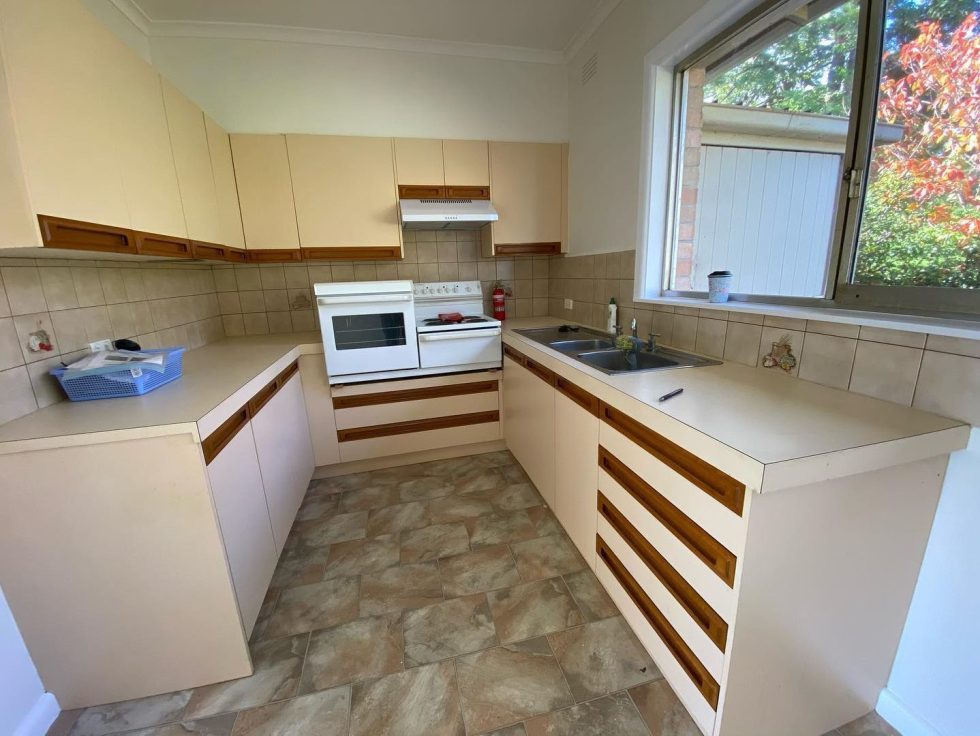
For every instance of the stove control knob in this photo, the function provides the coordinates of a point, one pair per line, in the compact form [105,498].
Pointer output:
[456,289]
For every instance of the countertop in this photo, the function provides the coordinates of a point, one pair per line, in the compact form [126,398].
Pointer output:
[212,374]
[771,420]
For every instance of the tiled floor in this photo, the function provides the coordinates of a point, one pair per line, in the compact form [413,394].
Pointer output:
[438,599]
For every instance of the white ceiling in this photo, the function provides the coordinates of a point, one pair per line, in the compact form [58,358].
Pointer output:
[544,27]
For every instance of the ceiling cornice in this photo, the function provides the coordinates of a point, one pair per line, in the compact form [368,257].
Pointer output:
[353,39]
[596,18]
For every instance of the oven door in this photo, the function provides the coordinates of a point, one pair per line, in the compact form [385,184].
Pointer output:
[368,333]
[459,347]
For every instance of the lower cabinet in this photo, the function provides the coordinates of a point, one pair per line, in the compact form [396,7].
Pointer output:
[282,440]
[243,515]
[529,419]
[319,410]
[576,476]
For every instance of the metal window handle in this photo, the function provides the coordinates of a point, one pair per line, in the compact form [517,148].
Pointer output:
[363,299]
[462,335]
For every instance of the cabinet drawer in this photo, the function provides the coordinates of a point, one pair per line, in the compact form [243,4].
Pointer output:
[483,428]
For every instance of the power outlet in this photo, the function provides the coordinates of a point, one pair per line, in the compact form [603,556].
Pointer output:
[569,304]
[100,346]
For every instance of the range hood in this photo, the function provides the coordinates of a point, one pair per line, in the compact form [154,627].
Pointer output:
[446,214]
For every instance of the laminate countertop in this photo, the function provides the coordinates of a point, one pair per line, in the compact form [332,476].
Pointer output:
[771,428]
[213,376]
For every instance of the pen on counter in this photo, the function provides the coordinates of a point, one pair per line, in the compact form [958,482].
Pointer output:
[671,395]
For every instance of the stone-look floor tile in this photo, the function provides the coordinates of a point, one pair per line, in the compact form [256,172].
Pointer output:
[314,606]
[601,658]
[367,647]
[592,598]
[320,714]
[514,473]
[336,528]
[398,474]
[663,713]
[300,565]
[870,725]
[614,714]
[214,726]
[516,496]
[545,523]
[477,572]
[341,483]
[546,557]
[362,556]
[500,528]
[420,489]
[478,478]
[369,497]
[448,467]
[496,459]
[278,665]
[433,542]
[265,613]
[401,588]
[422,701]
[458,508]
[516,730]
[131,714]
[533,609]
[315,507]
[398,518]
[506,684]
[448,629]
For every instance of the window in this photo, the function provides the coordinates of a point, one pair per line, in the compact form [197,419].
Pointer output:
[813,187]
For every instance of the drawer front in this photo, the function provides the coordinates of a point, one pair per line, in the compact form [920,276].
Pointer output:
[720,523]
[693,684]
[404,411]
[417,441]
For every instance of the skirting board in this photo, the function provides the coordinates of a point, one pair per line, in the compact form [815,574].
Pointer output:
[900,718]
[411,458]
[40,717]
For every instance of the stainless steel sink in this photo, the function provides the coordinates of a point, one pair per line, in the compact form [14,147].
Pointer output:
[616,361]
[580,346]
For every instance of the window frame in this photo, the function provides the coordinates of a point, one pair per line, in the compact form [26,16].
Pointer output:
[839,289]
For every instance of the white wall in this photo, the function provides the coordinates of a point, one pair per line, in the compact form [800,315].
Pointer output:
[932,689]
[24,706]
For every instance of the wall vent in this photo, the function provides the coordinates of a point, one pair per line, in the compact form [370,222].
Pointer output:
[589,68]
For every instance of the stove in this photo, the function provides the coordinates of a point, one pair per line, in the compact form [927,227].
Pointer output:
[454,334]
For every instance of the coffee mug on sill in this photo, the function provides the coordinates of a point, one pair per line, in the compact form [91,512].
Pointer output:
[719,282]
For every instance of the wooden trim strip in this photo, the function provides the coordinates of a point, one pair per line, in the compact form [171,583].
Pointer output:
[148,244]
[515,355]
[262,396]
[274,255]
[57,232]
[416,425]
[288,372]
[698,673]
[462,191]
[208,251]
[577,394]
[526,249]
[703,614]
[421,191]
[352,253]
[219,438]
[545,374]
[235,255]
[729,492]
[708,549]
[414,394]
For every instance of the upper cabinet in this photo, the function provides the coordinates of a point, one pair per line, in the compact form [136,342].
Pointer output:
[346,195]
[419,161]
[226,190]
[466,163]
[527,184]
[435,168]
[265,192]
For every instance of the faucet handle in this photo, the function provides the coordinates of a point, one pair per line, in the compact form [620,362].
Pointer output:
[652,342]
[633,324]
[618,329]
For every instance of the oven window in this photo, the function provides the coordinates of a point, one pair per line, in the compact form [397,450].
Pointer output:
[359,331]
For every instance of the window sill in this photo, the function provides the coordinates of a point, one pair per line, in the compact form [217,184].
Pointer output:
[946,327]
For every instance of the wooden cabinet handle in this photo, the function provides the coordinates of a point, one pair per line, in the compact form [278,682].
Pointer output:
[514,355]
[545,374]
[215,442]
[577,394]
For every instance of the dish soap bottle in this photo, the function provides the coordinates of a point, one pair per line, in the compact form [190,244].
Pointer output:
[611,318]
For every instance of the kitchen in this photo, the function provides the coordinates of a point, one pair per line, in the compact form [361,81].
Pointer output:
[411,472]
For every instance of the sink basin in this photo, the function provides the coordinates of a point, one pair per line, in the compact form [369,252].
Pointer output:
[580,346]
[616,361]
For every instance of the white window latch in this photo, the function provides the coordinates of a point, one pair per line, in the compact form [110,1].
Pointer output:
[855,181]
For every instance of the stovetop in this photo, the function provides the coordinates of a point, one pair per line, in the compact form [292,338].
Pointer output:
[448,297]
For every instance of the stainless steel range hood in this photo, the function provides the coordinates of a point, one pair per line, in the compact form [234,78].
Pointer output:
[446,214]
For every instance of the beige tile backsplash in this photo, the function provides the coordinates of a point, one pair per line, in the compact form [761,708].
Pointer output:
[934,373]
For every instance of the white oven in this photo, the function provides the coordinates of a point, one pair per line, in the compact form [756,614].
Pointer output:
[367,327]
[476,348]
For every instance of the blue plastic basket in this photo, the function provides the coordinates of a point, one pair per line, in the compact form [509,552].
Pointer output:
[121,383]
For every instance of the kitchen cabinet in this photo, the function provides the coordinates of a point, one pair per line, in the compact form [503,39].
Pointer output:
[466,163]
[192,157]
[576,475]
[461,166]
[419,161]
[243,516]
[529,419]
[282,441]
[226,189]
[265,192]
[346,195]
[526,182]
[319,410]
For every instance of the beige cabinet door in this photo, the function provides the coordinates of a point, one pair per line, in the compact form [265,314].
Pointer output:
[576,473]
[466,163]
[526,180]
[345,190]
[529,426]
[59,62]
[265,191]
[193,159]
[419,161]
[226,190]
[319,410]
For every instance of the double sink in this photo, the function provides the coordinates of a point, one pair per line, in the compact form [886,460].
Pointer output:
[597,350]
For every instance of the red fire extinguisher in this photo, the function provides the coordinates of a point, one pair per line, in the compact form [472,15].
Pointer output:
[498,303]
